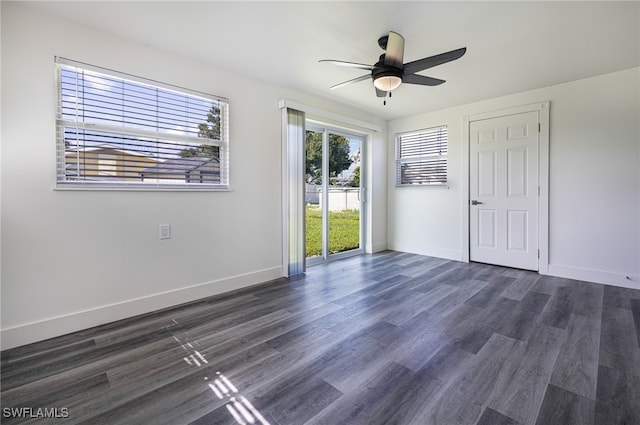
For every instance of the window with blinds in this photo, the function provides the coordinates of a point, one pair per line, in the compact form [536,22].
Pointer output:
[120,131]
[421,157]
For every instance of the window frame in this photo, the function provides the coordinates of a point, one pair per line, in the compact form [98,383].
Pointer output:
[161,138]
[431,137]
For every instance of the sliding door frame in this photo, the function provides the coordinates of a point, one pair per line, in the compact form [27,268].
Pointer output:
[326,130]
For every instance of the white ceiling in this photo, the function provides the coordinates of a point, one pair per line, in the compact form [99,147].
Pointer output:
[511,46]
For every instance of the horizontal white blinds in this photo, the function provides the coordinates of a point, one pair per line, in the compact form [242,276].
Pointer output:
[421,157]
[130,132]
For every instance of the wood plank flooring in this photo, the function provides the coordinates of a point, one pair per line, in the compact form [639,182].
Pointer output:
[390,338]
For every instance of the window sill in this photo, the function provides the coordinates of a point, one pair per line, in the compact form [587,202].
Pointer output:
[113,188]
[440,185]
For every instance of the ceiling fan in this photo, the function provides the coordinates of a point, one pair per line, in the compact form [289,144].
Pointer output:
[389,72]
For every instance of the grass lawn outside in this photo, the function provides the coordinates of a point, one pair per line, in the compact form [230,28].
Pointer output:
[344,230]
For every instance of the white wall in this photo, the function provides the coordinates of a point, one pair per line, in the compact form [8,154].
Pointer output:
[594,189]
[75,259]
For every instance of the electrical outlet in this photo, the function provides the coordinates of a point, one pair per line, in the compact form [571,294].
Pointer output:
[165,231]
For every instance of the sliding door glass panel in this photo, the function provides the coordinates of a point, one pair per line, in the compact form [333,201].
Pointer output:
[343,190]
[333,204]
[313,194]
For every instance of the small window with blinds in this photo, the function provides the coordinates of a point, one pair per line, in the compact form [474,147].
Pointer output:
[120,131]
[421,157]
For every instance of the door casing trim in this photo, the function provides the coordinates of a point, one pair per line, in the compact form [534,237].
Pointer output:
[543,177]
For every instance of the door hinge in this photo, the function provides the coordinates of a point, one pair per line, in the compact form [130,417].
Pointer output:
[538,127]
[538,190]
[538,253]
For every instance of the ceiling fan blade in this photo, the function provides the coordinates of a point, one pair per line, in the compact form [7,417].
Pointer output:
[394,54]
[355,80]
[422,80]
[380,93]
[349,64]
[431,61]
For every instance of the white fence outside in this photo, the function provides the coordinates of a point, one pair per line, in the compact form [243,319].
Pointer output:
[340,198]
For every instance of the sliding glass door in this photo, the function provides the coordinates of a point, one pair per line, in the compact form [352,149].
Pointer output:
[333,195]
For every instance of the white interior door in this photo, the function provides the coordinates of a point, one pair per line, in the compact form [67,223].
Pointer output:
[503,190]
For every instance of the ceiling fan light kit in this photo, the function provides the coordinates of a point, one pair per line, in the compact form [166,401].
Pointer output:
[387,83]
[390,71]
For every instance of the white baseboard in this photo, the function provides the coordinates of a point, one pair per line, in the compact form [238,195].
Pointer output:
[595,276]
[61,325]
[432,252]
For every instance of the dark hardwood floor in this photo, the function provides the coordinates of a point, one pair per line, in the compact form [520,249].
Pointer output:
[390,338]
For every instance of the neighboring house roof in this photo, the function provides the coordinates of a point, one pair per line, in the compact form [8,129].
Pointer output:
[149,155]
[179,165]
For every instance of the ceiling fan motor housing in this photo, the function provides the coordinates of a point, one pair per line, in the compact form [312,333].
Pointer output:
[382,42]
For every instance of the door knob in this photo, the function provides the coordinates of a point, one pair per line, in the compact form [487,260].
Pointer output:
[474,202]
